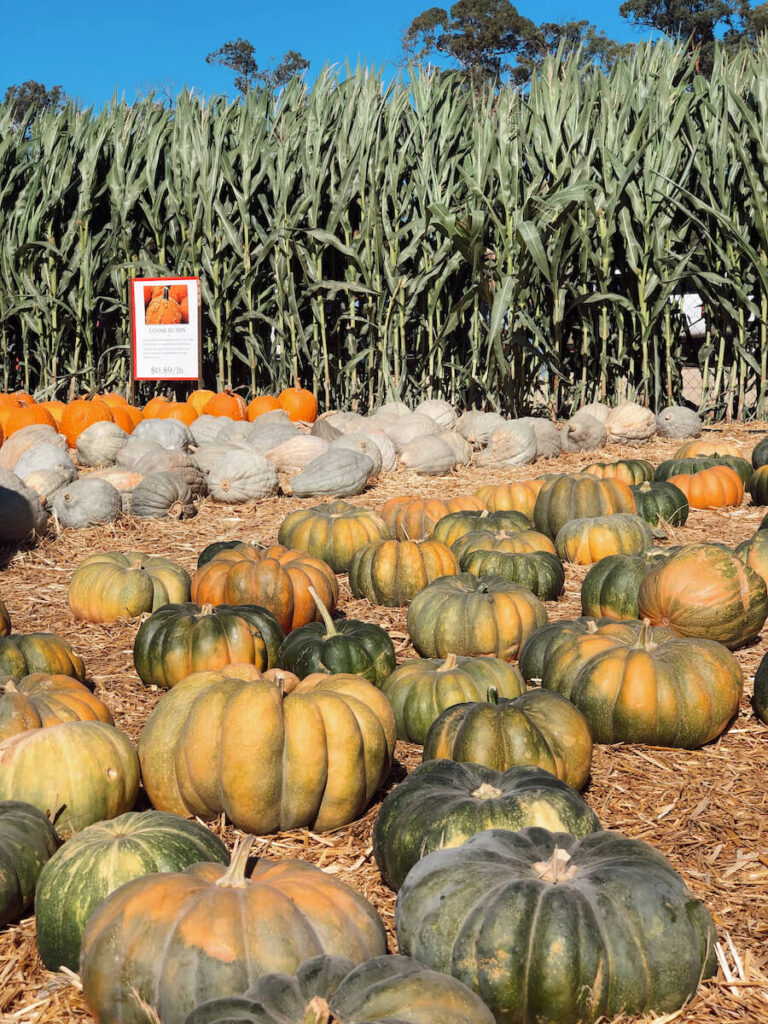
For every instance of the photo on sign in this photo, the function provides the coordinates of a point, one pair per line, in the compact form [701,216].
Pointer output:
[166,328]
[166,304]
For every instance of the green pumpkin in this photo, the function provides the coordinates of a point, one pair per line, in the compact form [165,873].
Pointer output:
[758,486]
[111,585]
[419,690]
[340,645]
[754,553]
[332,532]
[96,861]
[540,571]
[661,502]
[387,990]
[27,841]
[535,649]
[586,541]
[211,550]
[760,453]
[553,928]
[23,654]
[457,524]
[180,639]
[610,587]
[760,696]
[578,496]
[508,541]
[442,803]
[631,471]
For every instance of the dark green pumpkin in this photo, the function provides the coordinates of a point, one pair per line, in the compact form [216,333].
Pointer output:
[96,861]
[387,990]
[420,689]
[754,553]
[457,524]
[213,549]
[660,501]
[578,496]
[442,803]
[540,571]
[537,646]
[760,697]
[179,639]
[27,841]
[552,928]
[631,471]
[760,453]
[610,587]
[694,464]
[23,654]
[758,486]
[332,532]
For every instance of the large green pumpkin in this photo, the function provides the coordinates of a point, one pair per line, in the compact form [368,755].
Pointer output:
[661,502]
[23,654]
[566,497]
[457,524]
[101,858]
[547,927]
[541,572]
[760,453]
[538,644]
[332,532]
[442,803]
[695,464]
[586,541]
[27,840]
[610,587]
[113,585]
[393,572]
[760,696]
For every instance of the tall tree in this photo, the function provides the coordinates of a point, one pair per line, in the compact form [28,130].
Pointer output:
[33,95]
[238,56]
[701,21]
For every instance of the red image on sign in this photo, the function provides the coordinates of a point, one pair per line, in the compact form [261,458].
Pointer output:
[167,304]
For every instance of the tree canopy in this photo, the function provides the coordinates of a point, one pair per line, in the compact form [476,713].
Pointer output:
[33,95]
[238,56]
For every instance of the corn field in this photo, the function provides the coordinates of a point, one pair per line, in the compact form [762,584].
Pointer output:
[520,250]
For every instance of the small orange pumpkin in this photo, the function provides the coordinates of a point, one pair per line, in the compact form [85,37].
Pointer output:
[718,487]
[261,404]
[154,406]
[227,403]
[519,496]
[300,404]
[126,416]
[182,411]
[26,416]
[199,398]
[81,413]
[55,408]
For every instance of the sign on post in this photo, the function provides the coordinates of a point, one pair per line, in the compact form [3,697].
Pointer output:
[165,329]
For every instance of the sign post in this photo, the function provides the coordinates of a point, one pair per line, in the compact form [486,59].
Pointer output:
[166,329]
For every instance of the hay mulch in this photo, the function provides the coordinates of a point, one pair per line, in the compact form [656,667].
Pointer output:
[705,810]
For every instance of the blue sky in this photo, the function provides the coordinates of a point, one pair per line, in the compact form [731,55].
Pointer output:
[93,49]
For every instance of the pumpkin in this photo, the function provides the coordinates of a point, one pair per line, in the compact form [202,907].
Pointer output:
[718,487]
[211,930]
[87,502]
[179,639]
[387,990]
[610,587]
[55,408]
[170,434]
[676,467]
[754,553]
[441,804]
[162,309]
[182,411]
[81,772]
[468,615]
[629,423]
[340,472]
[393,572]
[586,541]
[410,518]
[513,443]
[261,404]
[760,696]
[563,498]
[82,413]
[692,449]
[758,486]
[660,502]
[760,453]
[344,645]
[242,476]
[40,700]
[276,577]
[509,541]
[549,927]
[5,620]
[631,471]
[27,841]
[637,684]
[442,412]
[178,463]
[678,421]
[226,403]
[430,456]
[162,494]
[101,858]
[270,756]
[408,428]
[477,426]
[214,548]
[98,445]
[457,524]
[111,585]
[420,689]
[517,496]
[541,572]
[332,532]
[538,645]
[22,515]
[300,404]
[295,454]
[582,433]
[26,416]
[25,653]
[705,590]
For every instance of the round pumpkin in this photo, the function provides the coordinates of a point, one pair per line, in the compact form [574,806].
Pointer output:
[23,654]
[760,696]
[760,453]
[516,496]
[299,403]
[537,646]
[692,449]
[25,416]
[184,937]
[101,858]
[610,587]
[276,577]
[82,413]
[457,524]
[441,804]
[631,471]
[537,728]
[586,541]
[412,518]
[677,467]
[420,689]
[660,502]
[758,486]
[260,405]
[563,498]
[548,927]
[179,639]
[718,487]
[41,700]
[27,840]
[80,772]
[111,585]
[637,684]
[705,590]
[270,756]
[199,398]
[5,620]
[468,615]
[332,532]
[541,572]
[754,553]
[510,541]
[393,572]
[226,403]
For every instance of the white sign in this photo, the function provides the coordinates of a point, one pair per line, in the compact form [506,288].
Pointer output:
[166,328]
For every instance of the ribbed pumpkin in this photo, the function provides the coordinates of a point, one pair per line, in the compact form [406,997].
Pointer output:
[705,590]
[695,464]
[332,532]
[276,577]
[24,653]
[537,647]
[537,728]
[457,524]
[552,928]
[420,689]
[27,840]
[226,403]
[441,804]
[25,416]
[540,571]
[41,700]
[182,411]
[100,859]
[718,487]
[113,585]
[126,416]
[760,696]
[269,759]
[199,398]
[631,471]
[513,542]
[412,518]
[82,413]
[610,587]
[517,496]
[563,498]
[661,502]
[179,639]
[188,936]
[637,684]
[586,541]
[468,615]
[85,771]
[393,572]
[691,449]
[758,486]
[299,403]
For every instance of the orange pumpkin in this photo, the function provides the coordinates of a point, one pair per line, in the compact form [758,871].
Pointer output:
[411,518]
[511,497]
[199,398]
[718,487]
[112,398]
[7,404]
[154,406]
[23,398]
[177,292]
[26,416]
[227,403]
[692,449]
[162,309]
[80,414]
[182,411]
[40,700]
[300,404]
[126,416]
[55,408]
[261,404]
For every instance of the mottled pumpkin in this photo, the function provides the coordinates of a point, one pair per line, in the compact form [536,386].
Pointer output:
[5,620]
[677,467]
[393,572]
[553,928]
[185,937]
[660,502]
[610,587]
[332,532]
[516,496]
[718,487]
[270,756]
[457,524]
[27,840]
[411,518]
[276,577]
[541,572]
[537,646]
[509,541]
[23,654]
[41,700]
[586,541]
[563,498]
[441,804]
[631,471]
[754,553]
[691,449]
[705,590]
[112,585]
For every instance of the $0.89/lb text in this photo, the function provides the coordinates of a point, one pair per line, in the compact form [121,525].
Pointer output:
[169,370]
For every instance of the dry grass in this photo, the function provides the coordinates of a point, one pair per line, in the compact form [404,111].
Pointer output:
[706,810]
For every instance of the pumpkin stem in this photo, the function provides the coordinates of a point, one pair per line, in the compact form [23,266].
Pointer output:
[317,1012]
[485,791]
[557,869]
[10,686]
[325,615]
[206,609]
[449,664]
[492,696]
[234,876]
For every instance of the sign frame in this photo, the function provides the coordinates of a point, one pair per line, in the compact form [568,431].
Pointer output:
[136,323]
